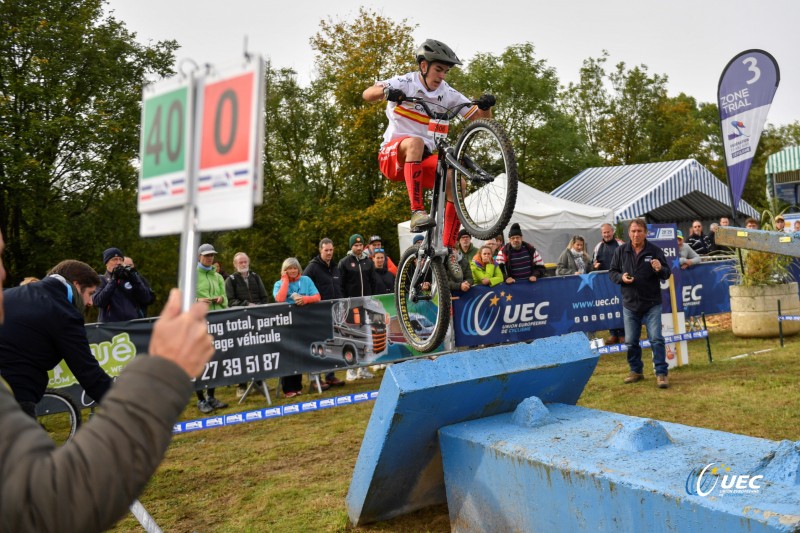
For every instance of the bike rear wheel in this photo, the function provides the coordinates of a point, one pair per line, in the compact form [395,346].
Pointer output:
[59,416]
[488,194]
[423,310]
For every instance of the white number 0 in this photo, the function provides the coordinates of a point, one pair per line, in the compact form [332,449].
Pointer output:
[752,68]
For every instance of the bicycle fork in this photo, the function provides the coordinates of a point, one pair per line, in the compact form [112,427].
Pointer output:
[423,266]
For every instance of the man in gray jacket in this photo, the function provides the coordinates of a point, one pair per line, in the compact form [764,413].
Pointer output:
[44,488]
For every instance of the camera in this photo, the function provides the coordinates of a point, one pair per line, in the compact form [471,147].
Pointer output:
[123,272]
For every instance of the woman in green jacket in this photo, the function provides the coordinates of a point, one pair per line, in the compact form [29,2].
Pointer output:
[484,269]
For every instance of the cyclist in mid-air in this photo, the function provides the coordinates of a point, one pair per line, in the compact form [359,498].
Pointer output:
[406,153]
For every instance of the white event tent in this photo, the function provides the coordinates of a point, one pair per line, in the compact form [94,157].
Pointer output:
[547,222]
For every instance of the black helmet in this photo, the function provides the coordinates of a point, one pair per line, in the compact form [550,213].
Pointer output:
[433,50]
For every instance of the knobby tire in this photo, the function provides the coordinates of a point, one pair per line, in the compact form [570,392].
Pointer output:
[484,209]
[436,310]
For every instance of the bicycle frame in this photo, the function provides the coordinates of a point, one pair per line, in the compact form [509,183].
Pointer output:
[432,245]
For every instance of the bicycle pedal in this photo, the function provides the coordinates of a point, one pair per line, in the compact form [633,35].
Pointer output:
[420,228]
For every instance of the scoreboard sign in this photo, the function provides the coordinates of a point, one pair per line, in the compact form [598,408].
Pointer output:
[205,133]
[166,123]
[230,131]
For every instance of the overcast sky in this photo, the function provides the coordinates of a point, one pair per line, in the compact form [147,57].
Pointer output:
[690,41]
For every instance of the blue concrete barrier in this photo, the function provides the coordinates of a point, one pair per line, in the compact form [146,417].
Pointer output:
[566,468]
[399,467]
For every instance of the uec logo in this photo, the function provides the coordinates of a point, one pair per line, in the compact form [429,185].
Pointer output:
[701,482]
[481,315]
[479,318]
[525,312]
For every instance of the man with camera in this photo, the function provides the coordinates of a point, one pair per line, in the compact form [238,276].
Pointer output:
[123,292]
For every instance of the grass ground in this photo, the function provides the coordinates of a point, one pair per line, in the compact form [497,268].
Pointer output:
[292,473]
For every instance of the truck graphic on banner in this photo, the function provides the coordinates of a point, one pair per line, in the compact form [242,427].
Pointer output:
[359,332]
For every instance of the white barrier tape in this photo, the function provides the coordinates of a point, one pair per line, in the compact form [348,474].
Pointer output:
[671,339]
[271,412]
[788,317]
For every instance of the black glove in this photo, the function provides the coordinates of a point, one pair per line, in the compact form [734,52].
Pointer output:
[117,273]
[486,101]
[393,95]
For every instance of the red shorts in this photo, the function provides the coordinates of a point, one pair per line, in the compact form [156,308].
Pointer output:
[391,168]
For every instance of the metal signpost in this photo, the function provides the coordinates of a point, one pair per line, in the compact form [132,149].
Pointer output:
[201,168]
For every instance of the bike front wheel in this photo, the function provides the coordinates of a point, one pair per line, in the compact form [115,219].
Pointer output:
[485,196]
[423,307]
[59,416]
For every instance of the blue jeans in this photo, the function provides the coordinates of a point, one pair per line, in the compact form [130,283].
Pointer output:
[633,331]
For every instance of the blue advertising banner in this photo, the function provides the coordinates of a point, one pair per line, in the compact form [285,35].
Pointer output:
[560,305]
[525,311]
[665,236]
[745,92]
[705,288]
[587,302]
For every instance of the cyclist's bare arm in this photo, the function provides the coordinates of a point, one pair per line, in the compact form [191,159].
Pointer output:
[373,93]
[480,113]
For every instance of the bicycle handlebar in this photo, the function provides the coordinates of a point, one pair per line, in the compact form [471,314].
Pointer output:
[446,115]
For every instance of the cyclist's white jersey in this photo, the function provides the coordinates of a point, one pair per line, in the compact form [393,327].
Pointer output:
[409,119]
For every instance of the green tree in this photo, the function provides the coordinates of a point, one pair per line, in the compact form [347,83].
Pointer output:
[681,129]
[627,116]
[547,142]
[631,114]
[351,55]
[70,91]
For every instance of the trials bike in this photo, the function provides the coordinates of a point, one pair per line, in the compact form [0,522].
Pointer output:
[482,169]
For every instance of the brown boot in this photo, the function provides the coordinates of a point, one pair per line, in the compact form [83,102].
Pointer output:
[633,377]
[663,381]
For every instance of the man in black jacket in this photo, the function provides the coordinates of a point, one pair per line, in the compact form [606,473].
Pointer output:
[358,279]
[699,241]
[639,267]
[358,271]
[328,279]
[43,325]
[123,293]
[601,260]
[385,278]
[244,287]
[325,273]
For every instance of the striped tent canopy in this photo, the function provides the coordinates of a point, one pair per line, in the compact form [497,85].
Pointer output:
[787,160]
[671,191]
[783,175]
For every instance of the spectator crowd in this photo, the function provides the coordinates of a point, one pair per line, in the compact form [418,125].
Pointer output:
[121,293]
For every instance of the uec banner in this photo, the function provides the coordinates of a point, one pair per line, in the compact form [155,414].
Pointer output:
[587,302]
[705,288]
[524,311]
